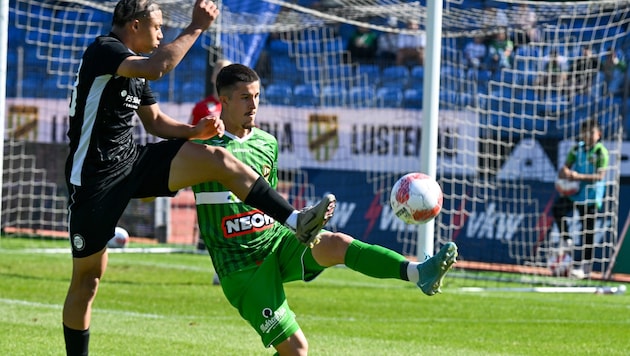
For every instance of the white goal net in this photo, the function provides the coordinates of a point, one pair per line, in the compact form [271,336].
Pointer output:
[351,123]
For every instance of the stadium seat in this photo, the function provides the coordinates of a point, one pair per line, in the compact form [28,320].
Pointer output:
[361,97]
[448,98]
[416,78]
[305,95]
[333,95]
[394,76]
[527,51]
[412,98]
[278,94]
[371,72]
[389,97]
[283,68]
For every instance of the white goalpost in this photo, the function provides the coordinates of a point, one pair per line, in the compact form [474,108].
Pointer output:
[4,29]
[492,132]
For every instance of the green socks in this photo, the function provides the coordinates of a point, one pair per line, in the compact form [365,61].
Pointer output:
[376,261]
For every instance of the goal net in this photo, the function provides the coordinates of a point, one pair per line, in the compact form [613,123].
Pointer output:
[351,123]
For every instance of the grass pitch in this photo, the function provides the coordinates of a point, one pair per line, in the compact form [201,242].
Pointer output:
[165,304]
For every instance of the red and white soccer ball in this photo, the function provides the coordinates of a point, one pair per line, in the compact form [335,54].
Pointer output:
[416,198]
[120,238]
[567,187]
[560,264]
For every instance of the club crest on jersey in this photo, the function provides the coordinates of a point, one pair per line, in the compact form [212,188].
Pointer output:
[245,223]
[78,242]
[323,136]
[266,172]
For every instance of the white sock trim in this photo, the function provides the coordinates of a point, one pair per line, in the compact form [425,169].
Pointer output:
[291,222]
[412,272]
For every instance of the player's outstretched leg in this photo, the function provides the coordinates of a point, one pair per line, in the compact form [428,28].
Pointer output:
[432,271]
[312,219]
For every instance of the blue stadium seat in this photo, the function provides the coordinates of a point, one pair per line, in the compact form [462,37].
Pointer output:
[527,51]
[412,98]
[283,68]
[371,71]
[334,95]
[389,97]
[416,78]
[305,95]
[394,76]
[279,94]
[361,97]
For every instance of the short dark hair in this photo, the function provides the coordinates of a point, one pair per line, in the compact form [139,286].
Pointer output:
[589,124]
[233,74]
[128,10]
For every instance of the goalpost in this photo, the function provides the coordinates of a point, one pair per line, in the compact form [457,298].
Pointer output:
[354,127]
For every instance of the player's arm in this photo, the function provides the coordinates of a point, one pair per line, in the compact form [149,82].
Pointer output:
[166,57]
[601,166]
[159,124]
[566,172]
[587,177]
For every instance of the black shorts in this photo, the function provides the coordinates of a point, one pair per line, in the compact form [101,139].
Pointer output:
[94,210]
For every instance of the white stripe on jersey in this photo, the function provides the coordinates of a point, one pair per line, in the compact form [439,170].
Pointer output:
[209,198]
[89,118]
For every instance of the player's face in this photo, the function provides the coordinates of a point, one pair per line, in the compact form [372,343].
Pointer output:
[239,110]
[591,136]
[149,32]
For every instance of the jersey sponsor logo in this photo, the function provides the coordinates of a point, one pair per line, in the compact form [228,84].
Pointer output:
[273,319]
[246,223]
[130,101]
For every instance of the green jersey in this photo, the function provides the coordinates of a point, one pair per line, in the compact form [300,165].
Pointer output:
[238,236]
[589,161]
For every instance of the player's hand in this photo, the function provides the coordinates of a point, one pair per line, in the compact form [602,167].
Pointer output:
[204,14]
[565,173]
[209,126]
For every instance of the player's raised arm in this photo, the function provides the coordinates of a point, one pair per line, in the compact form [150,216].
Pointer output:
[165,57]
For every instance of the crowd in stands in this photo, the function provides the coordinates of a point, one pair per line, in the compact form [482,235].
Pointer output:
[511,48]
[505,45]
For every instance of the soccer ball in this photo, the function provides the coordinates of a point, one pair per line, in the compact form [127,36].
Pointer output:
[560,264]
[120,239]
[567,187]
[416,198]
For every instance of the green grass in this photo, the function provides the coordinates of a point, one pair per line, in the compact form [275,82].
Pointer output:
[165,304]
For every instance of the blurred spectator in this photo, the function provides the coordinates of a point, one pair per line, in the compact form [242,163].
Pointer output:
[500,51]
[410,50]
[475,53]
[583,70]
[387,44]
[363,44]
[493,18]
[553,75]
[614,68]
[524,22]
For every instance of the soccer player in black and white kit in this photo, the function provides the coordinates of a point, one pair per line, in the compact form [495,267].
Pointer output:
[105,168]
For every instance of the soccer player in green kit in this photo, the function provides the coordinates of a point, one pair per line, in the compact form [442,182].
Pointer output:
[253,255]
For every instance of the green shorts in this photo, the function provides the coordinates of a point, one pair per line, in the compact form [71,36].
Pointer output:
[258,292]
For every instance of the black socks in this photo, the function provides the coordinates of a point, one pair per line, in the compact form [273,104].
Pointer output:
[77,341]
[263,197]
